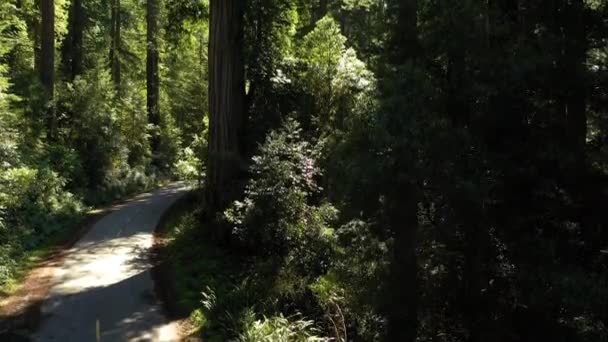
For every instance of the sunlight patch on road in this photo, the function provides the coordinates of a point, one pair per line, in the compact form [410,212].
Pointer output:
[104,263]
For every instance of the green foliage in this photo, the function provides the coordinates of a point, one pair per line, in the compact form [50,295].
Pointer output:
[227,294]
[89,118]
[99,153]
[189,166]
[170,144]
[279,329]
[276,216]
[186,79]
[131,126]
[94,128]
[333,76]
[482,124]
[213,284]
[33,207]
[351,291]
[323,46]
[12,31]
[270,29]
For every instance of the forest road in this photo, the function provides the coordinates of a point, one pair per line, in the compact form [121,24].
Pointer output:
[103,289]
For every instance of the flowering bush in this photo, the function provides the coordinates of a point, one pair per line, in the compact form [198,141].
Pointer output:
[276,216]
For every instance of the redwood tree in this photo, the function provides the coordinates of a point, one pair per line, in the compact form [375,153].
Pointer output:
[73,43]
[47,60]
[226,98]
[115,42]
[402,191]
[152,77]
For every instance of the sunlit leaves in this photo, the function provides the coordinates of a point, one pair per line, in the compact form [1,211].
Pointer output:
[334,75]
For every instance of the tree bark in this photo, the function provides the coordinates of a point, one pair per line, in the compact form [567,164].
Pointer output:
[47,62]
[34,24]
[74,40]
[226,100]
[403,278]
[153,79]
[575,53]
[576,45]
[403,195]
[403,43]
[115,44]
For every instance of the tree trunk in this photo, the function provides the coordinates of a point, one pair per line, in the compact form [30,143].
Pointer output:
[403,279]
[469,213]
[115,44]
[47,62]
[574,58]
[403,195]
[152,79]
[226,100]
[34,24]
[575,53]
[403,44]
[76,27]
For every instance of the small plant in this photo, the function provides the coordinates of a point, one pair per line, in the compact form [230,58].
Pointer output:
[279,329]
[190,167]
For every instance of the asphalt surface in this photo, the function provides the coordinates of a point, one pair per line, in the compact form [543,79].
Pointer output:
[103,289]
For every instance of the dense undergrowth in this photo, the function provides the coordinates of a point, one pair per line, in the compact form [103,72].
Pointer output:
[34,208]
[288,273]
[228,295]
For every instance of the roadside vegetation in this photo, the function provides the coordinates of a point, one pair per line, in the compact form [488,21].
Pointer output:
[365,170]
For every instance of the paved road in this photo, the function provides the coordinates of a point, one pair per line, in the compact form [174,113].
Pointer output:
[105,281]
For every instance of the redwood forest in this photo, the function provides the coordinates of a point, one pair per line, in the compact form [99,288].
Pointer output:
[304,170]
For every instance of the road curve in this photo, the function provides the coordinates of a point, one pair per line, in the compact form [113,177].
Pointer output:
[103,289]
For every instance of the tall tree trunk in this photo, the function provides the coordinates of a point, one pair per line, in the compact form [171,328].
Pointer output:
[152,79]
[226,99]
[469,212]
[575,100]
[575,53]
[403,195]
[34,24]
[403,44]
[402,210]
[115,44]
[76,27]
[47,62]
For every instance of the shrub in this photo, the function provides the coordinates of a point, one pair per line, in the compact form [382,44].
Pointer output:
[279,329]
[280,222]
[87,120]
[350,291]
[275,216]
[33,206]
[189,167]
